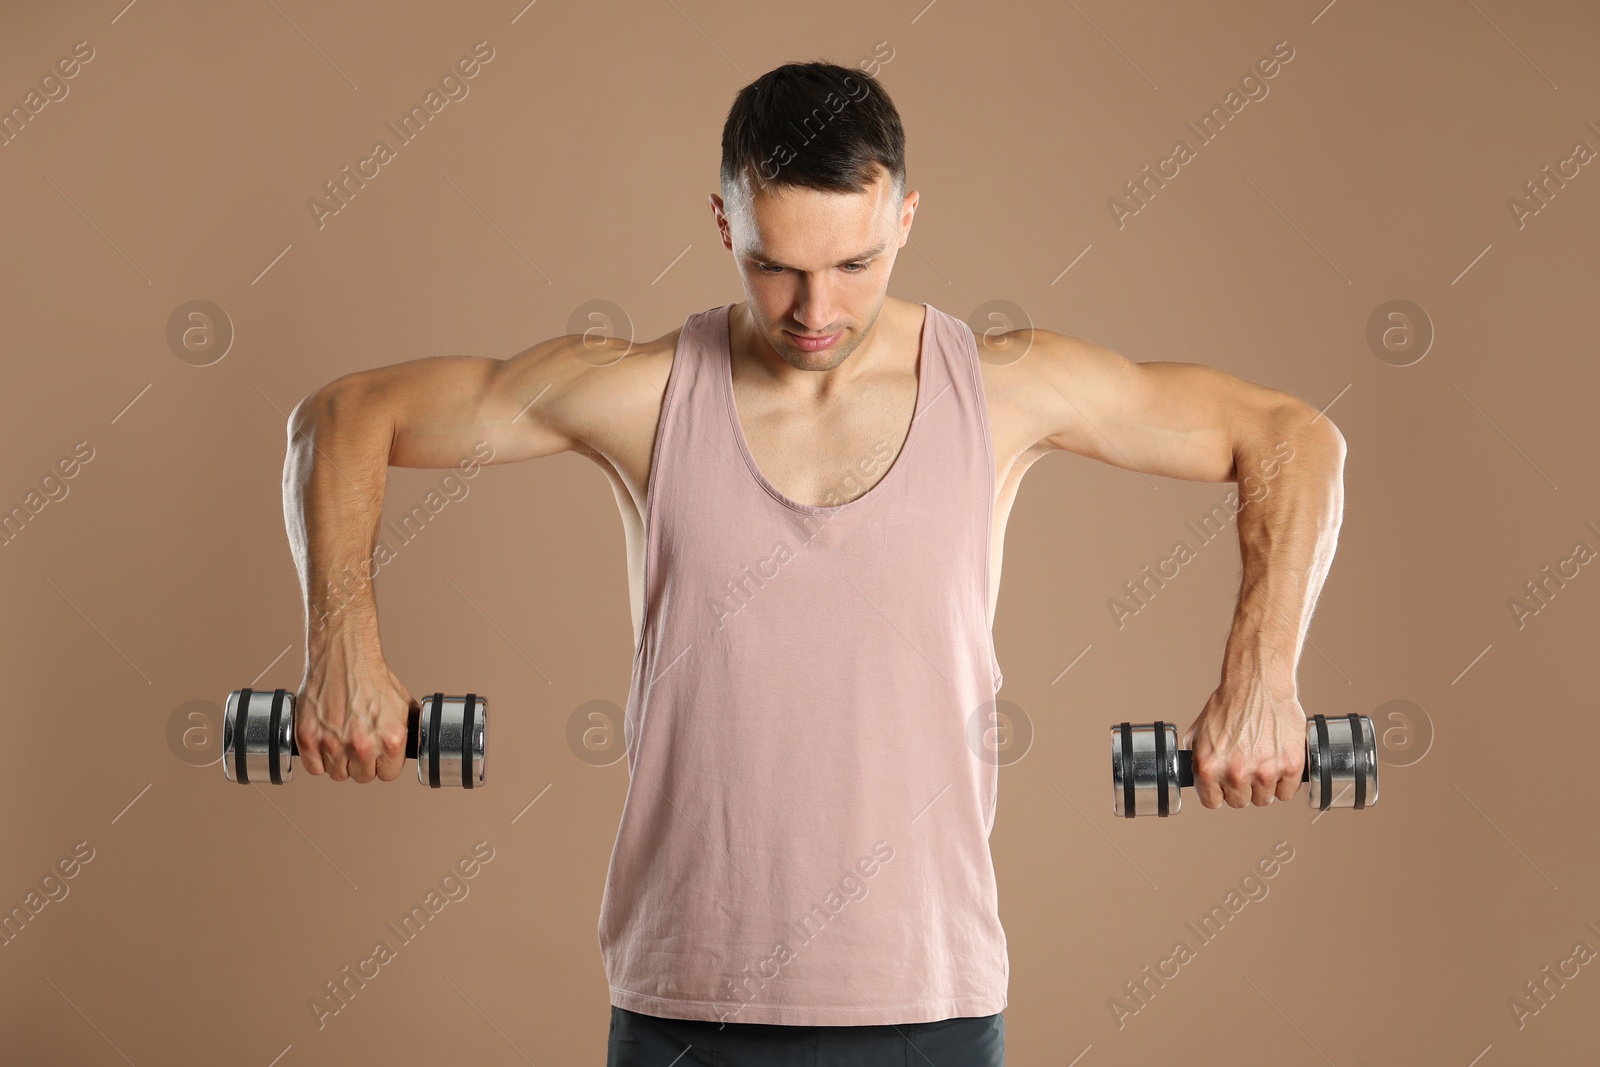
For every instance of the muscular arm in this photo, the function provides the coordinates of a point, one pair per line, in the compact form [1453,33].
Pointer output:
[435,412]
[1251,735]
[1190,421]
[440,411]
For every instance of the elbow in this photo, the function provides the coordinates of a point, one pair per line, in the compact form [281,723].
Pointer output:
[316,405]
[1285,429]
[305,413]
[1300,419]
[1324,443]
[344,414]
[1330,433]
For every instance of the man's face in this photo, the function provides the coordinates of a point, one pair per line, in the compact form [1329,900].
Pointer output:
[814,263]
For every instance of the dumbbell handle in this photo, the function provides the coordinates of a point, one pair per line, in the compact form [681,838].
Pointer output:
[413,717]
[1186,768]
[413,720]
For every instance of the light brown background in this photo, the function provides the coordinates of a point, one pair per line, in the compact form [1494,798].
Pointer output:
[1379,167]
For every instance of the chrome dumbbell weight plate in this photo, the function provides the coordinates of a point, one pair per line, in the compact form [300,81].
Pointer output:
[1341,762]
[452,738]
[1144,769]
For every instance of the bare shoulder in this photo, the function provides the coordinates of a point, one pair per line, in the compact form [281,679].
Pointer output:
[1028,375]
[603,392]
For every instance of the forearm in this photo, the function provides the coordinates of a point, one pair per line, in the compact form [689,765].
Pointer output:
[1288,530]
[334,474]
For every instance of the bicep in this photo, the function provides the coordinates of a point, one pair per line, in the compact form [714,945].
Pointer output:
[1178,420]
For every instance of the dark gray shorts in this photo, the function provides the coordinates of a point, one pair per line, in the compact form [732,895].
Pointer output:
[650,1041]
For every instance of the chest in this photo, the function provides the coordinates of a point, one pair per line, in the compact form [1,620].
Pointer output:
[842,449]
[827,454]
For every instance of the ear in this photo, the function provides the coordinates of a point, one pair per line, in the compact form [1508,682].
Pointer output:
[720,213]
[908,210]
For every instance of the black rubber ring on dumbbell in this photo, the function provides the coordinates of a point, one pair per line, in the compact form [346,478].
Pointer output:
[1324,763]
[1358,750]
[274,771]
[1127,770]
[239,773]
[466,742]
[1161,768]
[434,717]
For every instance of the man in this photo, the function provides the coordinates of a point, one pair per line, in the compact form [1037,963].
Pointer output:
[814,484]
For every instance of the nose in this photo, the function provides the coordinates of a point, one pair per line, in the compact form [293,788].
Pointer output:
[815,310]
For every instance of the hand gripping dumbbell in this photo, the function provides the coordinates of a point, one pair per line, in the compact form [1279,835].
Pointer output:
[1148,767]
[446,737]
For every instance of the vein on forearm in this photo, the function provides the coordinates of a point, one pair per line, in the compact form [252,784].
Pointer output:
[1287,535]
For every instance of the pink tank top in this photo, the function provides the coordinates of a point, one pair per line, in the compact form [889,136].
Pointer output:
[805,838]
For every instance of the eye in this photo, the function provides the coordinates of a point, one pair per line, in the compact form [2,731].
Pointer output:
[767,268]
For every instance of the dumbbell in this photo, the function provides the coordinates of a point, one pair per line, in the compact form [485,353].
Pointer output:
[446,736]
[1148,768]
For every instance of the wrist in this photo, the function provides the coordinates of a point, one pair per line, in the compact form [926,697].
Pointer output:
[341,627]
[1260,659]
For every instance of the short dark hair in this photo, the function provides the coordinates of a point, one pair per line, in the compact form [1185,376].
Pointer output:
[814,125]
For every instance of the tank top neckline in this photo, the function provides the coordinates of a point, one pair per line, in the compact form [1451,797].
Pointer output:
[726,374]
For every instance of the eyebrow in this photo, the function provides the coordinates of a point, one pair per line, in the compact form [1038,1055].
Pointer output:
[868,254]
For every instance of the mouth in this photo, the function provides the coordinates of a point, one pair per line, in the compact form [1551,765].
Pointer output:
[814,343]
